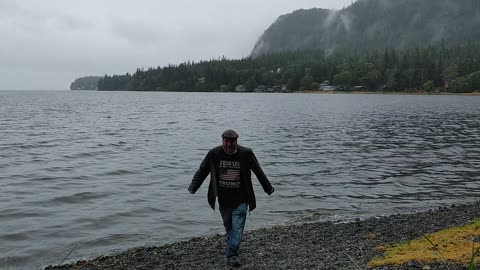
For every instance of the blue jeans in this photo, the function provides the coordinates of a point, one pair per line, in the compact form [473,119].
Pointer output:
[234,222]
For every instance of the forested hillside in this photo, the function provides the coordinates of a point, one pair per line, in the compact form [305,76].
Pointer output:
[374,24]
[393,45]
[431,68]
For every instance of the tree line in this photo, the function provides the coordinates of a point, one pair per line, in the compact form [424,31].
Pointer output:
[435,68]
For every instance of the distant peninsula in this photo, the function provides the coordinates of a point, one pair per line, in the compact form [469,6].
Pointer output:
[85,83]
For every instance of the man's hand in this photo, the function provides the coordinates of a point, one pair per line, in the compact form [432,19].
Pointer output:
[271,191]
[191,191]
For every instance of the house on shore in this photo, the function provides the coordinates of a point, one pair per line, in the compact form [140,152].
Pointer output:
[240,88]
[326,86]
[260,88]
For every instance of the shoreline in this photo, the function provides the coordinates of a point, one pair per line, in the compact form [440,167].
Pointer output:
[391,93]
[317,245]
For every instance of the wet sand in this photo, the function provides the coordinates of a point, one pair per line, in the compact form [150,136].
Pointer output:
[322,245]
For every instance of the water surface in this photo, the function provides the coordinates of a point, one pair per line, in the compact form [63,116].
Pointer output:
[106,171]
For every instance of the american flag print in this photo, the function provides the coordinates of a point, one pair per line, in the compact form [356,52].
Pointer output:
[229,174]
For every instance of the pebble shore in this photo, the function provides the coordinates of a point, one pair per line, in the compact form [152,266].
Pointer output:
[322,245]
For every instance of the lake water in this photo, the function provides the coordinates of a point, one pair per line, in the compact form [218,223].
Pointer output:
[106,171]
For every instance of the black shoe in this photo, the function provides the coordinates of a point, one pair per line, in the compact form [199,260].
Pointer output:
[234,261]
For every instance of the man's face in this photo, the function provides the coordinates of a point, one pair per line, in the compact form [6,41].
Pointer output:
[229,145]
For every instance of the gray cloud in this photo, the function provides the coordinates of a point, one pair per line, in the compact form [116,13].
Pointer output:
[47,44]
[137,32]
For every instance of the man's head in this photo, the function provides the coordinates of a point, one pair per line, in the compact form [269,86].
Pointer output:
[229,141]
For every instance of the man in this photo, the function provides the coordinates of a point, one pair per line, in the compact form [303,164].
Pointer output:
[230,166]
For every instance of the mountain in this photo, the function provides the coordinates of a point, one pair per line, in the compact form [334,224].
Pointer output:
[374,24]
[85,83]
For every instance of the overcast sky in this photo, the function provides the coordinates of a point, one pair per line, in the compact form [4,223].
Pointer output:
[47,44]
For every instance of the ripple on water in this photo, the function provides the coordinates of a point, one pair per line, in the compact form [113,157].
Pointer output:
[119,172]
[81,197]
[17,213]
[111,164]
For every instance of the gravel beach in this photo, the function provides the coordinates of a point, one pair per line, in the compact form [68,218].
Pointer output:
[322,245]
